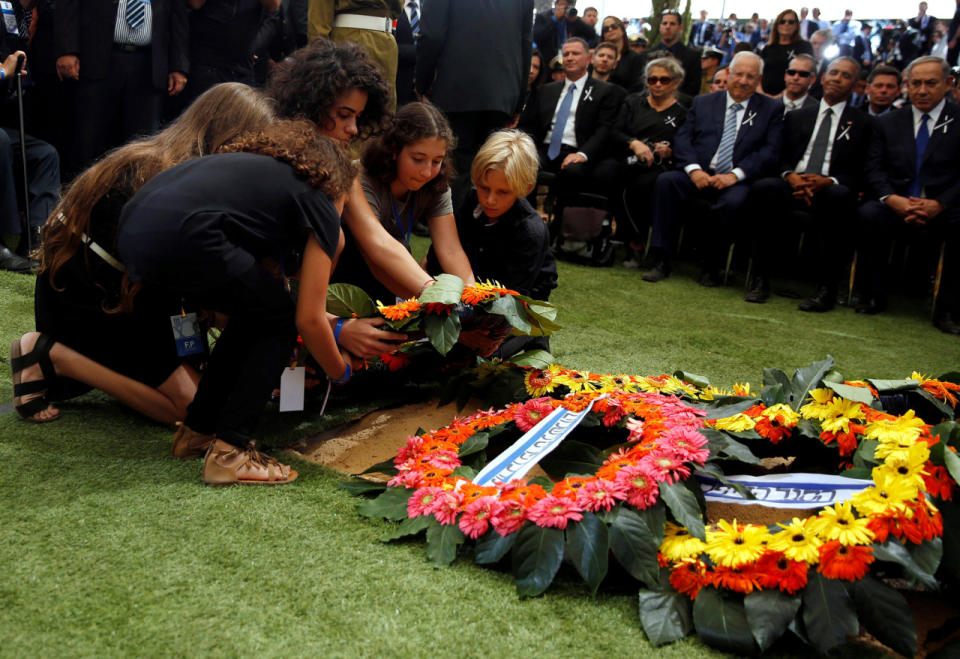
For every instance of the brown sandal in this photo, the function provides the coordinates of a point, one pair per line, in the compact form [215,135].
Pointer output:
[226,464]
[189,444]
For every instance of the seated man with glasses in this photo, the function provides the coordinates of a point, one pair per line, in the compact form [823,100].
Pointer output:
[800,76]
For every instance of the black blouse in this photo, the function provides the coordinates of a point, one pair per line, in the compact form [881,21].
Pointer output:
[638,121]
[776,58]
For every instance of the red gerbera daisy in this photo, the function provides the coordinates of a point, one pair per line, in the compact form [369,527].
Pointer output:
[839,561]
[774,570]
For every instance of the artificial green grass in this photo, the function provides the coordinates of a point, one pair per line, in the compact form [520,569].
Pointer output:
[112,548]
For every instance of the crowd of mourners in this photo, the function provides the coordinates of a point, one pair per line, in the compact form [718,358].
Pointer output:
[228,159]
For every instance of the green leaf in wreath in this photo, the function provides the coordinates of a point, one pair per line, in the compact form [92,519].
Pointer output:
[533,358]
[856,394]
[941,406]
[773,394]
[863,456]
[739,451]
[392,504]
[386,467]
[537,555]
[474,444]
[696,380]
[512,309]
[808,428]
[492,547]
[721,621]
[805,379]
[949,432]
[886,614]
[572,457]
[588,544]
[635,541]
[828,613]
[443,330]
[345,300]
[408,527]
[465,471]
[684,507]
[360,486]
[665,615]
[727,406]
[543,309]
[950,510]
[769,613]
[447,290]
[893,551]
[888,386]
[541,320]
[442,542]
[952,463]
[928,555]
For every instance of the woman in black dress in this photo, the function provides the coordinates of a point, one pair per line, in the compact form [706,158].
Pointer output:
[87,339]
[784,44]
[630,65]
[221,232]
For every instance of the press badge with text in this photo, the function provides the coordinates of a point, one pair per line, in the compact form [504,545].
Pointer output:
[186,335]
[9,18]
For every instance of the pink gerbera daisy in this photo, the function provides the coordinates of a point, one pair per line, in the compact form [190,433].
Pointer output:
[443,460]
[687,444]
[446,507]
[508,517]
[476,516]
[666,466]
[531,413]
[600,494]
[642,485]
[408,478]
[410,451]
[554,512]
[423,501]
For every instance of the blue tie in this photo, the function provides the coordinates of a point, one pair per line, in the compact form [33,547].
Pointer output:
[556,137]
[414,20]
[135,14]
[923,137]
[725,152]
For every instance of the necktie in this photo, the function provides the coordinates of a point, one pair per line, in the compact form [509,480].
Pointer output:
[414,20]
[556,137]
[819,151]
[923,137]
[725,152]
[135,14]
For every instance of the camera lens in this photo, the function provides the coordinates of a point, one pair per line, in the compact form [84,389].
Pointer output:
[571,11]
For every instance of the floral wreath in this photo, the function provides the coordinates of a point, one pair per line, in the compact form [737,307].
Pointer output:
[739,586]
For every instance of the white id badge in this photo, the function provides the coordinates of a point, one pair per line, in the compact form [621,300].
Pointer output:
[9,18]
[292,387]
[186,334]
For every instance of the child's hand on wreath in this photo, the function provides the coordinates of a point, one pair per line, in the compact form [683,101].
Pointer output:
[363,338]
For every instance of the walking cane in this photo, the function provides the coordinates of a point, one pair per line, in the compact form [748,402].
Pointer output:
[23,159]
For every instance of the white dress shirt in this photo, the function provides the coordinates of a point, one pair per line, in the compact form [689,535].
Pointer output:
[569,130]
[789,106]
[406,8]
[124,34]
[837,110]
[740,174]
[932,122]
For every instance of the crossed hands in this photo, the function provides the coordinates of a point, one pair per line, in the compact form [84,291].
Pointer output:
[806,185]
[718,181]
[914,210]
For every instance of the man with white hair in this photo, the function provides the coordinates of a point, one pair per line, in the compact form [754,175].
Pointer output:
[729,139]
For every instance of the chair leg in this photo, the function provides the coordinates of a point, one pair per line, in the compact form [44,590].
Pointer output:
[646,247]
[852,279]
[749,271]
[938,280]
[726,271]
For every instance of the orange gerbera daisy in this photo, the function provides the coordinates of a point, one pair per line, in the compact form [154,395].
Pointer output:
[938,389]
[395,361]
[471,492]
[400,310]
[839,561]
[438,308]
[774,570]
[476,295]
[569,487]
[741,579]
[689,576]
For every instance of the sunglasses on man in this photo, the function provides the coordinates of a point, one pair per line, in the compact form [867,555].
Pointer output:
[802,74]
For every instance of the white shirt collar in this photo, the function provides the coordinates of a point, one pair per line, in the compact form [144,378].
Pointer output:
[797,104]
[837,108]
[578,83]
[730,102]
[934,113]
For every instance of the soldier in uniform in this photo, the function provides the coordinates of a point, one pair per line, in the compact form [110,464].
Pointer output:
[366,22]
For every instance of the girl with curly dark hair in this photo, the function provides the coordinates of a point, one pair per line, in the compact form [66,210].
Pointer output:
[405,181]
[218,231]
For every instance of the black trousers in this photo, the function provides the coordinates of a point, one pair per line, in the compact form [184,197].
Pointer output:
[248,358]
[472,130]
[112,111]
[43,180]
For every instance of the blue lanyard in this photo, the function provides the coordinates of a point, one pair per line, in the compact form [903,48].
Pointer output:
[396,216]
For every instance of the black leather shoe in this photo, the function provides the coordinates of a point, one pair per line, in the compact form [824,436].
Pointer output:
[13,263]
[708,279]
[35,238]
[659,272]
[948,325]
[871,306]
[822,301]
[759,291]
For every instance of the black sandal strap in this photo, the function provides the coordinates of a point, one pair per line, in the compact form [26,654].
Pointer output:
[27,388]
[31,407]
[39,355]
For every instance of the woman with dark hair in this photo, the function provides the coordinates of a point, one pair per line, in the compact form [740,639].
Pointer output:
[405,181]
[221,232]
[538,75]
[88,335]
[630,64]
[785,43]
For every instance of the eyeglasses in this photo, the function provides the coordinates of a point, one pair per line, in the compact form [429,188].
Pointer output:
[788,21]
[611,26]
[663,80]
[802,74]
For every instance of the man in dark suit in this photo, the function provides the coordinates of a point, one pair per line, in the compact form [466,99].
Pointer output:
[728,140]
[862,49]
[924,24]
[821,171]
[473,61]
[570,120]
[883,88]
[701,34]
[671,29]
[126,56]
[552,28]
[800,75]
[912,172]
[407,50]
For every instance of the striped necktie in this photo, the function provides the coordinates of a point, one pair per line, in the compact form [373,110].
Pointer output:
[725,152]
[414,20]
[135,14]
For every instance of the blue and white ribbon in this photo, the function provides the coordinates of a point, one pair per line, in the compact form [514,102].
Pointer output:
[796,491]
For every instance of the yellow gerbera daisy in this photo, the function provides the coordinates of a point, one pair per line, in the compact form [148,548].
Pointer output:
[820,405]
[540,382]
[735,544]
[679,544]
[904,428]
[576,381]
[741,388]
[673,385]
[736,423]
[796,541]
[787,417]
[889,493]
[839,523]
[906,465]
